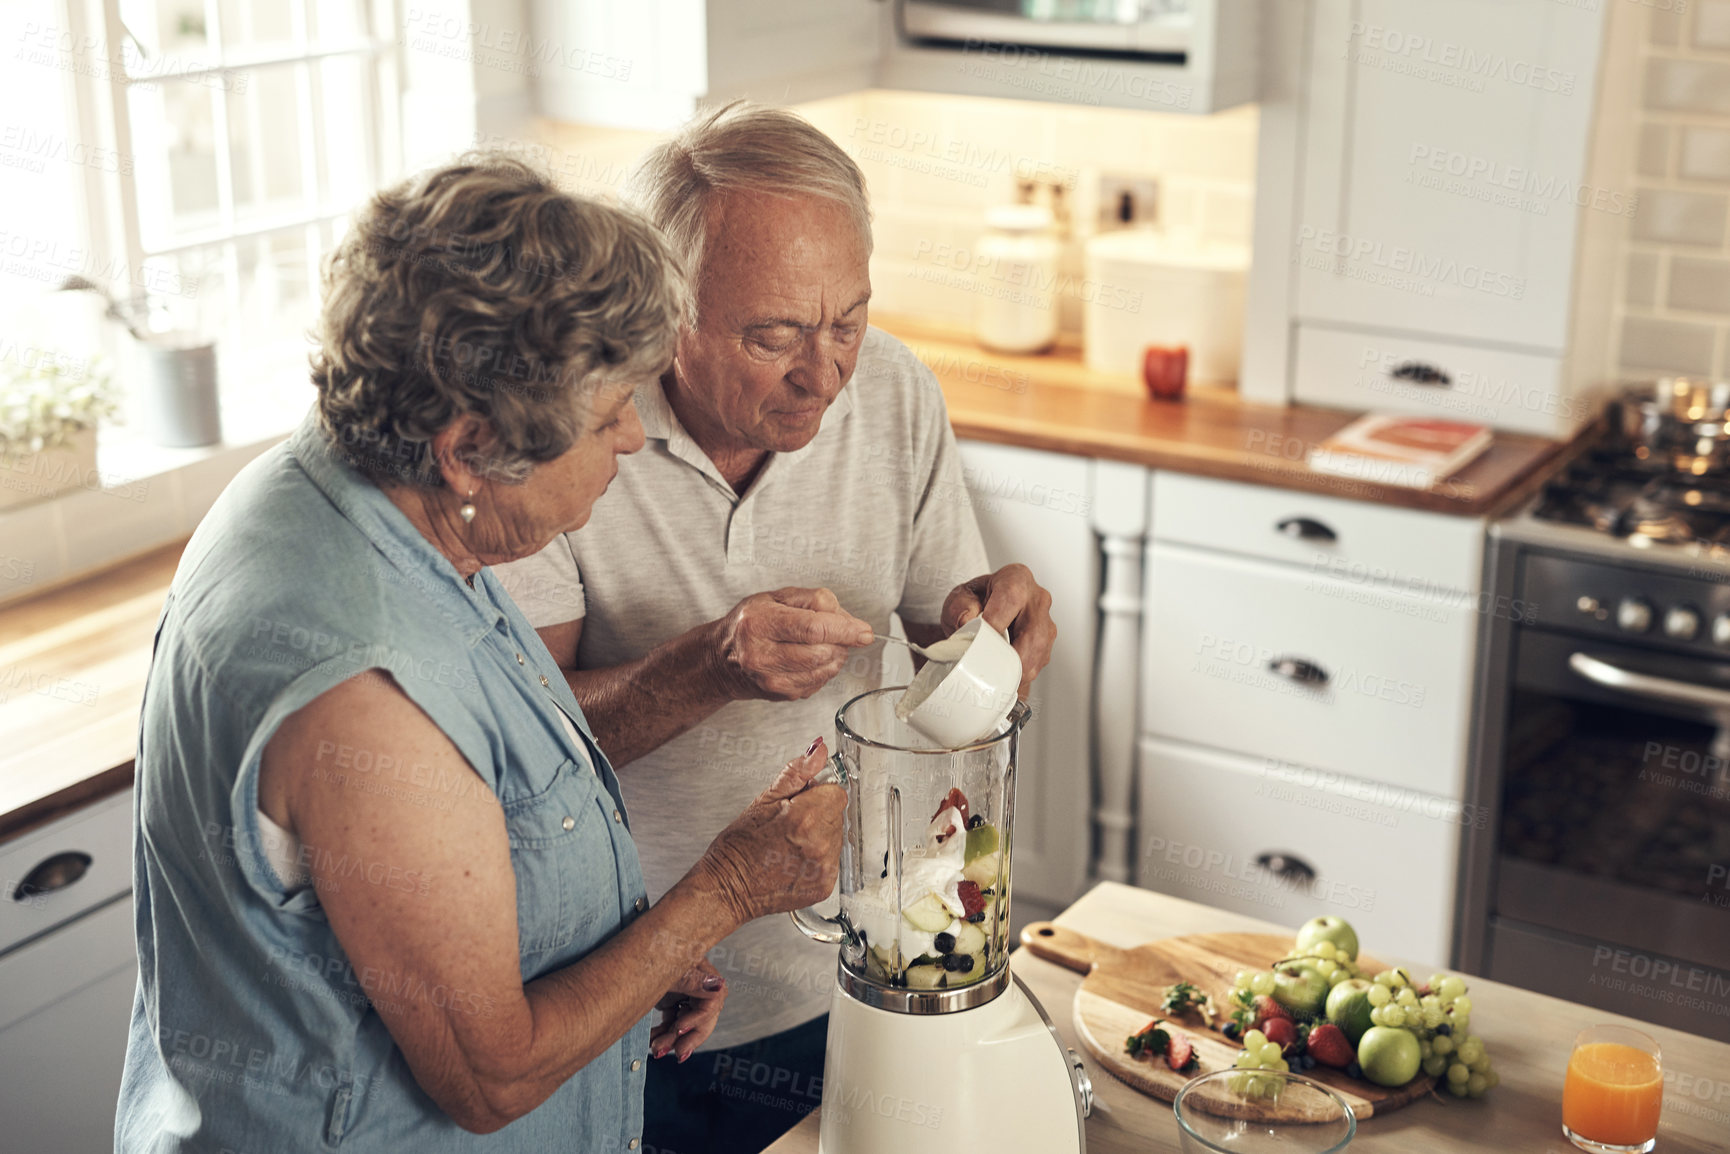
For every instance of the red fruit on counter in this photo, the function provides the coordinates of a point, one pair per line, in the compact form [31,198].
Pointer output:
[971,897]
[1282,1032]
[956,800]
[1268,1010]
[1330,1046]
[1164,371]
[1180,1051]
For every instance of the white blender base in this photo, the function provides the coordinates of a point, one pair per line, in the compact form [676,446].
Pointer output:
[990,1080]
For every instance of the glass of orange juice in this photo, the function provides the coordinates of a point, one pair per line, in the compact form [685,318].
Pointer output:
[1613,1092]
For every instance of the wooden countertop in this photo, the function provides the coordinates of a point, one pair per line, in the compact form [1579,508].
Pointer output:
[1529,1037]
[1054,402]
[72,668]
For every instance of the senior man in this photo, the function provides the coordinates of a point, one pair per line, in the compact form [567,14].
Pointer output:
[800,484]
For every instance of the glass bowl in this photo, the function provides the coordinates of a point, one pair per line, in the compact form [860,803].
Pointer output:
[1262,1112]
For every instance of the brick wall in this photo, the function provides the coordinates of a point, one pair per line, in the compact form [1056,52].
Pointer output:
[1676,296]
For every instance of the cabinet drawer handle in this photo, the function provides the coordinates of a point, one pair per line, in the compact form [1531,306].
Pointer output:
[1419,373]
[56,873]
[1305,529]
[1288,866]
[1298,670]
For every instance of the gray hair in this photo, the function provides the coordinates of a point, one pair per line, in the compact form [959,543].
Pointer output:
[481,287]
[740,147]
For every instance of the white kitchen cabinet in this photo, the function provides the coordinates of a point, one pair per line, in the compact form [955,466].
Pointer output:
[648,63]
[1281,663]
[1035,508]
[1288,844]
[65,1008]
[1458,176]
[1420,117]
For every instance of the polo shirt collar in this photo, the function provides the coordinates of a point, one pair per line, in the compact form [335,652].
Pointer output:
[473,611]
[661,423]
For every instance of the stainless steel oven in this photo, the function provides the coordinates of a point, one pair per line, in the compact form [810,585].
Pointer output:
[1604,755]
[1157,29]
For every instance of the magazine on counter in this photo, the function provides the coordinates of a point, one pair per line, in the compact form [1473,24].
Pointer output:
[1414,452]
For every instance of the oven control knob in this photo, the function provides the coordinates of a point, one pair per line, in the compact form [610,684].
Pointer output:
[1721,630]
[1633,615]
[1682,622]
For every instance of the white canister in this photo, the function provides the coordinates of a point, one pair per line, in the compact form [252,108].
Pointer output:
[1145,288]
[1016,310]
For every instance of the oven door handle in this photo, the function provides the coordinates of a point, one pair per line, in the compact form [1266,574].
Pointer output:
[1601,672]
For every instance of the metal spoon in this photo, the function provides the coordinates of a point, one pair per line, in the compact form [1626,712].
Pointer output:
[919,649]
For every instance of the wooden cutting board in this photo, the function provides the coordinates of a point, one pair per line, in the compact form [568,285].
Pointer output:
[1122,991]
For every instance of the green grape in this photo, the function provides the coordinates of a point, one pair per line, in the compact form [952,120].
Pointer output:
[1278,1064]
[1385,978]
[1443,1044]
[1432,1017]
[1457,1089]
[1270,1053]
[1430,1002]
[1380,995]
[1327,968]
[1450,988]
[1242,980]
[1393,1016]
[1398,979]
[1254,1041]
[1435,1065]
[1463,1005]
[1339,975]
[1476,1087]
[1407,997]
[1423,1049]
[1263,983]
[1458,1073]
[1323,949]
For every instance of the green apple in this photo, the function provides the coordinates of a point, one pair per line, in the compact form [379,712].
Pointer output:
[1389,1056]
[928,914]
[1329,929]
[981,840]
[1349,1007]
[1300,987]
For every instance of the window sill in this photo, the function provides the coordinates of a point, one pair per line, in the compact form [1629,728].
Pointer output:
[143,495]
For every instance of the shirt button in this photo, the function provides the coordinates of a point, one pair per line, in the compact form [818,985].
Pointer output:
[544,680]
[519,659]
[642,904]
[633,1144]
[635,1065]
[569,823]
[617,816]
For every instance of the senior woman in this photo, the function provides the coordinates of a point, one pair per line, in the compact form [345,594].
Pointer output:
[387,897]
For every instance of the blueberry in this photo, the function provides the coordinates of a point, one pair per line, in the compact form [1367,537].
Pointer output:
[1230,1030]
[1309,1062]
[964,962]
[976,821]
[944,943]
[978,917]
[1354,1071]
[1444,1029]
[952,962]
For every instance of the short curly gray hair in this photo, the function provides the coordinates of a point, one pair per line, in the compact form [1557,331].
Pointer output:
[481,287]
[741,146]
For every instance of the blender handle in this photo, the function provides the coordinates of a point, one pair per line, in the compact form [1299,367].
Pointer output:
[831,931]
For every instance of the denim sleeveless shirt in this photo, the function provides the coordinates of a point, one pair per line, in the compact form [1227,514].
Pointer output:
[251,1032]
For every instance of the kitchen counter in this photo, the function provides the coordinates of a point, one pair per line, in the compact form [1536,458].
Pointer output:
[72,668]
[1053,401]
[1528,1035]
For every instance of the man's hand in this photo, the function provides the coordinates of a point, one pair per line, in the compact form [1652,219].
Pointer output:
[1014,604]
[784,645]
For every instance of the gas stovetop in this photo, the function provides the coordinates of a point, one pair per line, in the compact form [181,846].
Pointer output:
[1609,503]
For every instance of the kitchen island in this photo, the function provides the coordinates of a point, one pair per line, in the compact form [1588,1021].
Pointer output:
[1529,1037]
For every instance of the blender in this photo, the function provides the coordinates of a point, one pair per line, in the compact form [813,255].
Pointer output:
[931,1038]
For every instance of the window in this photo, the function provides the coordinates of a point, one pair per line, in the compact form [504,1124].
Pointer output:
[247,131]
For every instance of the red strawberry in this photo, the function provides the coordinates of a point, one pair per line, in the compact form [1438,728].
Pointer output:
[1330,1046]
[1268,1010]
[1180,1051]
[1282,1032]
[958,800]
[971,899]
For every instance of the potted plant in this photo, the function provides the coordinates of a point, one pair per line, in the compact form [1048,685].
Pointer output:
[50,405]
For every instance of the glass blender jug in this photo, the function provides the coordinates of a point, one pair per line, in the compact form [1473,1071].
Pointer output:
[925,865]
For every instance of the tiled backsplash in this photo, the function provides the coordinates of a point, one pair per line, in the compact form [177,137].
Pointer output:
[1676,295]
[936,163]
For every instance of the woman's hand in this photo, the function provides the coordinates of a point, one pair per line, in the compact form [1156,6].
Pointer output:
[784,851]
[689,1012]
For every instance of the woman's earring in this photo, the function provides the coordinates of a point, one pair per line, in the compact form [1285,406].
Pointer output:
[467,512]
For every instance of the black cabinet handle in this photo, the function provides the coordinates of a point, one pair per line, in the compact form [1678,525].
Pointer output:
[1418,373]
[56,873]
[1305,529]
[1288,866]
[1298,670]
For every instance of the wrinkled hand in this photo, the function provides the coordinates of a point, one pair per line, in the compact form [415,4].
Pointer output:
[689,1012]
[1014,604]
[784,645]
[784,851]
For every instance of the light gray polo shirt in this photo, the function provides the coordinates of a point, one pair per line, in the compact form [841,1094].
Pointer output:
[873,509]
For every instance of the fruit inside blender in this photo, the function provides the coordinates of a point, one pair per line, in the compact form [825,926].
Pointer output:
[934,920]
